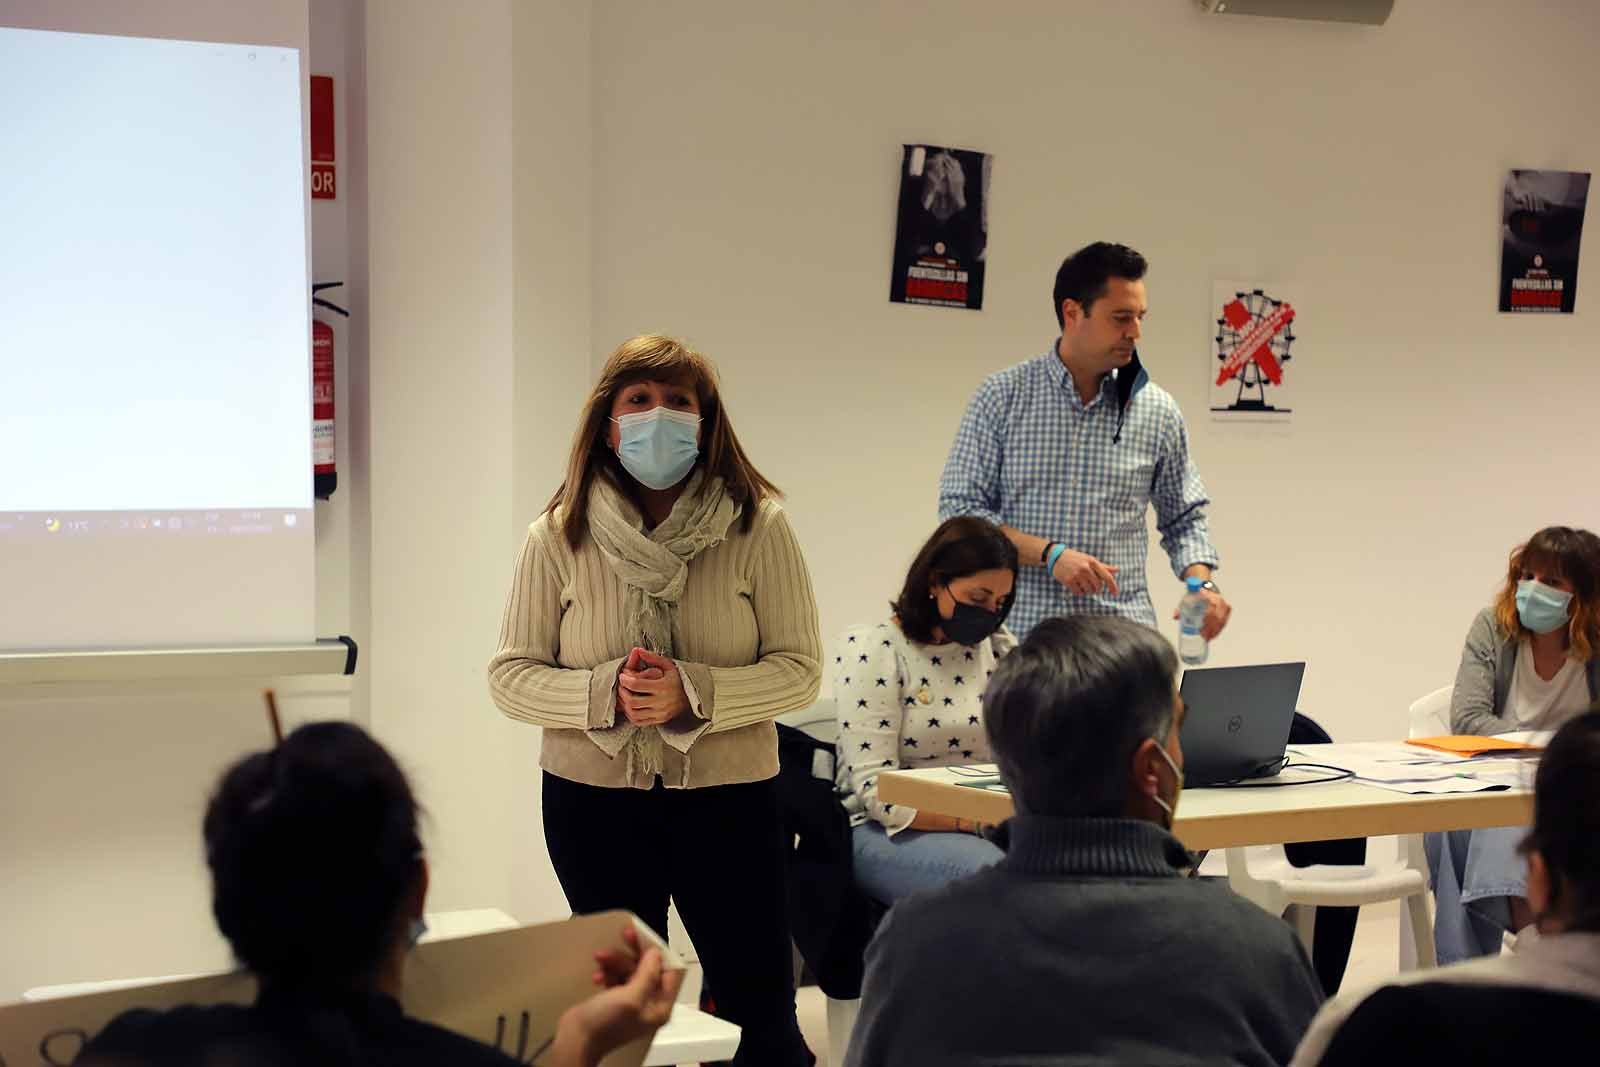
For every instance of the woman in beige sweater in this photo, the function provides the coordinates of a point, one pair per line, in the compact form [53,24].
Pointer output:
[660,617]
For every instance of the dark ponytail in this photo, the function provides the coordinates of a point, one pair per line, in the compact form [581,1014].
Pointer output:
[313,848]
[1566,821]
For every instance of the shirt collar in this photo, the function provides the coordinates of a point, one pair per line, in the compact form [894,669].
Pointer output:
[1061,378]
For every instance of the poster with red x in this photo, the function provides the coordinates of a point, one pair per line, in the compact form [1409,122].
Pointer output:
[1253,343]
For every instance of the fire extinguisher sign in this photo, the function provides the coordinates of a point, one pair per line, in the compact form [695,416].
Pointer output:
[324,184]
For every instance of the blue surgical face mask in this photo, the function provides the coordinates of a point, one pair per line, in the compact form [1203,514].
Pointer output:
[1541,608]
[658,447]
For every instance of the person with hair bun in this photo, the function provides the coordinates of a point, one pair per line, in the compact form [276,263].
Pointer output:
[1539,1004]
[318,883]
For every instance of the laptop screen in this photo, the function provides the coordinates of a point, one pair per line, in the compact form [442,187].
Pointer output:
[1238,721]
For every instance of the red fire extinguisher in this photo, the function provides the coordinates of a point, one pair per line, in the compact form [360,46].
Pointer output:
[322,433]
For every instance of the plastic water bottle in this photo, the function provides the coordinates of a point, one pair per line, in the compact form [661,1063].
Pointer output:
[1192,644]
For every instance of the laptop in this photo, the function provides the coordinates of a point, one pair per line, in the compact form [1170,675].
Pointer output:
[1238,721]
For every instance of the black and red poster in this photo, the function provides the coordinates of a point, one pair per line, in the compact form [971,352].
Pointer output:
[941,232]
[1541,220]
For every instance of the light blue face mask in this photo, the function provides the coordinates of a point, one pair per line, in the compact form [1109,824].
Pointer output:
[1541,608]
[658,447]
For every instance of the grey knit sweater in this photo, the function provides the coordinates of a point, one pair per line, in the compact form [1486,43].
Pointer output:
[1488,663]
[1085,945]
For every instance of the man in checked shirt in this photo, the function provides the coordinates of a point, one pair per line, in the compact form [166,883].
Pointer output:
[1067,451]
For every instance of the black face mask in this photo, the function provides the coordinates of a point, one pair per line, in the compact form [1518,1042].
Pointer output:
[970,624]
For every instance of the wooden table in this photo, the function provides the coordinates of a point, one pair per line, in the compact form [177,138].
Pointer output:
[1247,815]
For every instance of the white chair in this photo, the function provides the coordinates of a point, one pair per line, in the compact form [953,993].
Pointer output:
[820,722]
[1263,874]
[692,1036]
[1430,715]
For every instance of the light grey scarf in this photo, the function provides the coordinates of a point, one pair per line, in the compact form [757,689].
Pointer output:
[655,568]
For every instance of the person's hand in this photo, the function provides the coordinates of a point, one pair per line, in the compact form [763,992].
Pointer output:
[1218,612]
[650,690]
[1082,574]
[637,999]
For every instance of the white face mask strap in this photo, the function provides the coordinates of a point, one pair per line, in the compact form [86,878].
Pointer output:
[1177,781]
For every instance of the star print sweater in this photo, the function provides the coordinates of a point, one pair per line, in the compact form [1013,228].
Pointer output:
[904,704]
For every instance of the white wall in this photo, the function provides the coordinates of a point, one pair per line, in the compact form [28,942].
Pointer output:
[551,203]
[746,168]
[439,138]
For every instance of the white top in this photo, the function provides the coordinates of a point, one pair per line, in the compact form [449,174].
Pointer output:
[1534,702]
[904,705]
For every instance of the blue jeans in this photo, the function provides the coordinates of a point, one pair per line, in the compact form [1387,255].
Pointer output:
[1474,872]
[888,868]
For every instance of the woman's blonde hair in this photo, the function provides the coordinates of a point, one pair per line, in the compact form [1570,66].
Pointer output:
[651,357]
[1559,552]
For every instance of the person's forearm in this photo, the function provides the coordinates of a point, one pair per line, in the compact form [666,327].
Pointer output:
[1197,570]
[573,1045]
[1030,549]
[929,822]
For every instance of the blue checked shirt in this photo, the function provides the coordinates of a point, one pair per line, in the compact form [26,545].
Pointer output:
[1031,455]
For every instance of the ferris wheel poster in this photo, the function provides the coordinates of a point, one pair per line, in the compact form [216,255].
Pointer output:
[1250,362]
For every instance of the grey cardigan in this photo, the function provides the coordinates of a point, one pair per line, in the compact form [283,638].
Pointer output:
[1478,705]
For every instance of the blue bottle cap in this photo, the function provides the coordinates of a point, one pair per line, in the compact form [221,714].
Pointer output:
[1194,584]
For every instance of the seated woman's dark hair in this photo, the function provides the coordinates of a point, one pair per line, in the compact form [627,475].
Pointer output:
[1566,821]
[313,848]
[961,546]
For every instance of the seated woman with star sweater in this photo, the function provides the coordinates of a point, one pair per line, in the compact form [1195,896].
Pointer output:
[909,694]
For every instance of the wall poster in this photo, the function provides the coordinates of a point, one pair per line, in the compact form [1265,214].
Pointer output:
[941,231]
[1541,220]
[1252,343]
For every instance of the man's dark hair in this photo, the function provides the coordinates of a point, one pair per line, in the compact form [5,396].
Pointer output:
[961,546]
[313,848]
[1566,820]
[1066,710]
[1083,275]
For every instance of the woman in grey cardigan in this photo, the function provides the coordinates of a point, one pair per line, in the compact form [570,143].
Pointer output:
[1531,662]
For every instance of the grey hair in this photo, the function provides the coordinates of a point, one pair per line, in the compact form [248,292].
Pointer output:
[1066,710]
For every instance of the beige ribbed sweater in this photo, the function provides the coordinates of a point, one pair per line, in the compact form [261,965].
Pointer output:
[747,645]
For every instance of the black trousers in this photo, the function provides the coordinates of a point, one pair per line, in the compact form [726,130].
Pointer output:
[718,853]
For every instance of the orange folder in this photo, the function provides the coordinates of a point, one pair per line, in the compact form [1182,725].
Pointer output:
[1470,745]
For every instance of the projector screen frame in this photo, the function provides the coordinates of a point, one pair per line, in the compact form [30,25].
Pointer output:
[327,655]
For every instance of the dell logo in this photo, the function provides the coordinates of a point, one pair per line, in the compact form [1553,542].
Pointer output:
[1234,724]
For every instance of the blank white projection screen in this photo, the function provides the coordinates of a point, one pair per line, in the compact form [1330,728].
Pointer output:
[155,441]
